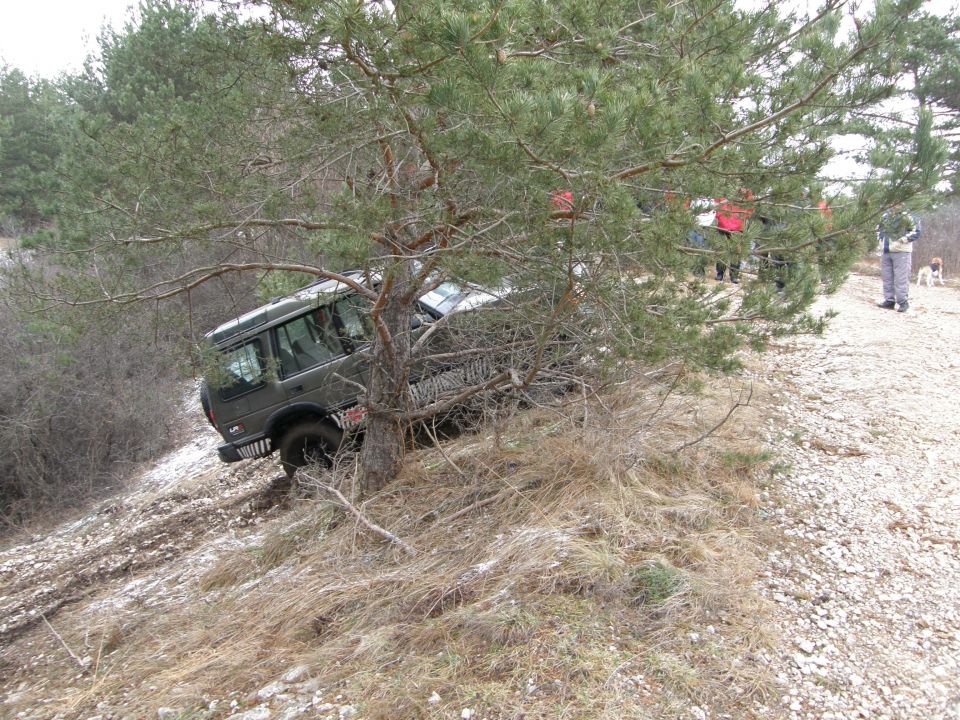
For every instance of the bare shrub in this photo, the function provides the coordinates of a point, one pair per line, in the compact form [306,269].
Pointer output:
[940,238]
[86,391]
[80,399]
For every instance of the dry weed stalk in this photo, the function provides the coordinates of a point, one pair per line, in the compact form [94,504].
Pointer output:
[345,504]
[723,421]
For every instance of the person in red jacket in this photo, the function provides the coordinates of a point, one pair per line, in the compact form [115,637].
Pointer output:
[732,219]
[562,200]
[825,245]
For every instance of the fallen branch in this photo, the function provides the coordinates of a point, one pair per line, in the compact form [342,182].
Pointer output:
[479,504]
[361,518]
[73,656]
[716,427]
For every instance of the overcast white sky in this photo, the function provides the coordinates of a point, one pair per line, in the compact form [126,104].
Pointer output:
[47,37]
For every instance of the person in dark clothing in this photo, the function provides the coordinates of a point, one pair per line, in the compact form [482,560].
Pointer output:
[773,264]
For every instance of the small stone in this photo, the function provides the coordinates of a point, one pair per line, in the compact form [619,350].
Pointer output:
[308,687]
[268,691]
[257,713]
[296,674]
[292,713]
[434,698]
[467,713]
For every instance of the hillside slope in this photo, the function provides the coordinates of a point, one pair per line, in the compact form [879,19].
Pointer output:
[797,562]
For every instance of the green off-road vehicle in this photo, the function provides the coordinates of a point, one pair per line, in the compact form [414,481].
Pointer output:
[290,376]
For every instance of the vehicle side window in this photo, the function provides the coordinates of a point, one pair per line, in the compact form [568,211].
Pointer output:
[241,370]
[353,319]
[307,341]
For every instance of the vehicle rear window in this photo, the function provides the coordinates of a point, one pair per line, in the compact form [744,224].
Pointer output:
[241,370]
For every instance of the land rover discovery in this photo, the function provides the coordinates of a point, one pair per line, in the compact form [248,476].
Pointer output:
[290,375]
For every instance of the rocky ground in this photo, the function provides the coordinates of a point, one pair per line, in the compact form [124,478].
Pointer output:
[863,567]
[187,500]
[867,578]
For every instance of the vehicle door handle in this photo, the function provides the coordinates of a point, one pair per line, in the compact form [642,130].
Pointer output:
[296,389]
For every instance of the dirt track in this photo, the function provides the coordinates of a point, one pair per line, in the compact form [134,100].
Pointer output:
[188,499]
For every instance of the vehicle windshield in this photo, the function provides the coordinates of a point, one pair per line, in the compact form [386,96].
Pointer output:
[443,298]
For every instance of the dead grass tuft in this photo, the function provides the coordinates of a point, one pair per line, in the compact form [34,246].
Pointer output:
[564,569]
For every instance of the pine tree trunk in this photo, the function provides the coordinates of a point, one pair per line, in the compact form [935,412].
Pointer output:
[387,389]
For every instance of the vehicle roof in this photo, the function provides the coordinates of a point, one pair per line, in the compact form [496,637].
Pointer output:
[319,293]
[312,295]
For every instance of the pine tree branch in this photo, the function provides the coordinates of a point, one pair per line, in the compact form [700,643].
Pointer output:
[203,229]
[199,276]
[728,138]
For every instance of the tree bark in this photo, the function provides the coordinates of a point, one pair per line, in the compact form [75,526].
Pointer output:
[387,387]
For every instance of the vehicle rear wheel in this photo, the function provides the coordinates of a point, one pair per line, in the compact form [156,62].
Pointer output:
[307,443]
[205,402]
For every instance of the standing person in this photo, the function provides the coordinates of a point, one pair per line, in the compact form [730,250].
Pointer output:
[562,200]
[704,217]
[827,212]
[826,243]
[732,219]
[895,235]
[775,264]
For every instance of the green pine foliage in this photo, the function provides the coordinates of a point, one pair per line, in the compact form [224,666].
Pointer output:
[31,123]
[426,141]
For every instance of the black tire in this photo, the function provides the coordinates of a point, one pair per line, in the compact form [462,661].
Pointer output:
[309,442]
[205,403]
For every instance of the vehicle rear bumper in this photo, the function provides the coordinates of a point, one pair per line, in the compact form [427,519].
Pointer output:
[228,453]
[234,452]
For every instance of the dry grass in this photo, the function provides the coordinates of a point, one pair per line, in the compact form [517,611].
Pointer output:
[570,570]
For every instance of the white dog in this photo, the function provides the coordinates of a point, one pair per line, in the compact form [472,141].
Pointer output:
[930,272]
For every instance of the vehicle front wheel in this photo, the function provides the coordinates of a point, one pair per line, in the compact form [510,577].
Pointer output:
[307,443]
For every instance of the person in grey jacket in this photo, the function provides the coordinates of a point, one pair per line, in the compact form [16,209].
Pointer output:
[895,235]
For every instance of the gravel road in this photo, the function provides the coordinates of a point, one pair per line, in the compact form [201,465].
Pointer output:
[866,580]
